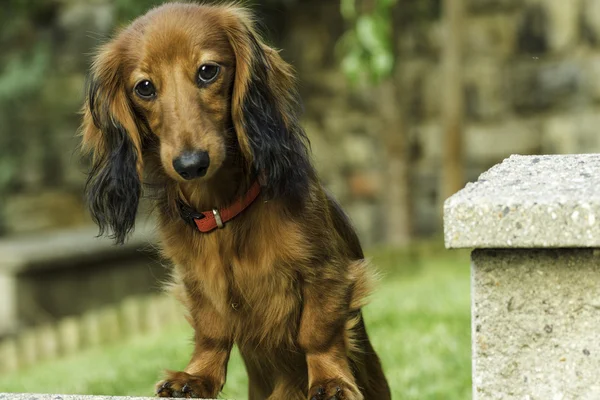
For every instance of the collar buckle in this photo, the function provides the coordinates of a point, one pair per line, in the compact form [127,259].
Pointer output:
[218,218]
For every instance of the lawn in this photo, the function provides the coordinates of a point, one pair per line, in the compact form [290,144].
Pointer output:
[418,320]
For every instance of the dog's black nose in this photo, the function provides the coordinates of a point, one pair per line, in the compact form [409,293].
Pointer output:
[191,164]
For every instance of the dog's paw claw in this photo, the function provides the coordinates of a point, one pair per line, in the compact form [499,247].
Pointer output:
[183,385]
[334,390]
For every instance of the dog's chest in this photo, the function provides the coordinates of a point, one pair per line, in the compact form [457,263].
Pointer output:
[259,295]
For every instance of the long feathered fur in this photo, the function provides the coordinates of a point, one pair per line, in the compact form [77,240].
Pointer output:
[286,279]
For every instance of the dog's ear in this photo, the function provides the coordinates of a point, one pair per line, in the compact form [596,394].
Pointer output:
[265,112]
[111,133]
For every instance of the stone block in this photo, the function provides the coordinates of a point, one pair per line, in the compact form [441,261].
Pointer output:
[591,20]
[591,67]
[528,202]
[47,342]
[419,40]
[564,20]
[493,35]
[8,303]
[539,86]
[91,329]
[359,152]
[110,324]
[487,94]
[430,103]
[67,272]
[427,139]
[532,31]
[535,324]
[27,348]
[131,320]
[549,26]
[425,187]
[535,276]
[492,6]
[419,85]
[9,355]
[69,335]
[44,211]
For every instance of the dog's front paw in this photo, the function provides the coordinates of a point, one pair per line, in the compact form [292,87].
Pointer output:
[334,389]
[182,384]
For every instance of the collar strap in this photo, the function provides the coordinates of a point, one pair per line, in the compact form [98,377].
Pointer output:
[207,221]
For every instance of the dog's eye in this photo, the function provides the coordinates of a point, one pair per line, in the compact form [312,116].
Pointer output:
[145,89]
[208,73]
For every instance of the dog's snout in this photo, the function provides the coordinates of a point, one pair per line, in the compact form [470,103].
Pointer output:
[192,164]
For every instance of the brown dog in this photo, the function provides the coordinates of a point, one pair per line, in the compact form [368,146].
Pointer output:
[189,100]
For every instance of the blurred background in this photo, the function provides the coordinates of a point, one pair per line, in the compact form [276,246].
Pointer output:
[405,101]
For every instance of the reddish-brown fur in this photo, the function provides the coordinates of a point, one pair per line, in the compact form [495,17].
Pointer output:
[286,279]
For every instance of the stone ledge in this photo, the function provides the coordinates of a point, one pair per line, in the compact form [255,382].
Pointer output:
[528,201]
[33,396]
[69,247]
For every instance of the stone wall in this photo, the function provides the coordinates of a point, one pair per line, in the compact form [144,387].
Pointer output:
[532,85]
[130,317]
[531,74]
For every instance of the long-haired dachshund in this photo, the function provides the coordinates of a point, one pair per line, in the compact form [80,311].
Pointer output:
[189,100]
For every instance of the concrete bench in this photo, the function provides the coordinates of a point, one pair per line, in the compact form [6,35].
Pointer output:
[57,274]
[534,225]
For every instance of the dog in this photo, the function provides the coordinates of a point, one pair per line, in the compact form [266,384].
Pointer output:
[189,103]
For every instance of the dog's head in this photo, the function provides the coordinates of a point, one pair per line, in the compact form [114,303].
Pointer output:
[192,84]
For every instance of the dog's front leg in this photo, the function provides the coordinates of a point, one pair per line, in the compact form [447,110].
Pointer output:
[322,337]
[206,372]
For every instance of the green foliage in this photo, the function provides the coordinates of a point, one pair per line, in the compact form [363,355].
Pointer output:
[127,10]
[418,321]
[24,64]
[24,72]
[25,58]
[367,45]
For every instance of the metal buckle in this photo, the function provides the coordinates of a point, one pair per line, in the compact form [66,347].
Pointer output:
[218,219]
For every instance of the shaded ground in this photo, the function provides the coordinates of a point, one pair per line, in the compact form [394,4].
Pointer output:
[418,321]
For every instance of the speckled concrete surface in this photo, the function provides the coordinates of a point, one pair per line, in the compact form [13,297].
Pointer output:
[528,201]
[536,324]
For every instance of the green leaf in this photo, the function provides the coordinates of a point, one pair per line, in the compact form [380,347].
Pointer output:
[367,32]
[366,47]
[352,66]
[348,9]
[383,63]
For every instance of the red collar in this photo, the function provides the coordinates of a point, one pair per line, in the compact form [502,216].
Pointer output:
[207,221]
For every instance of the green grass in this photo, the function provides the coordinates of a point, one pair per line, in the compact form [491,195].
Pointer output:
[418,320]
